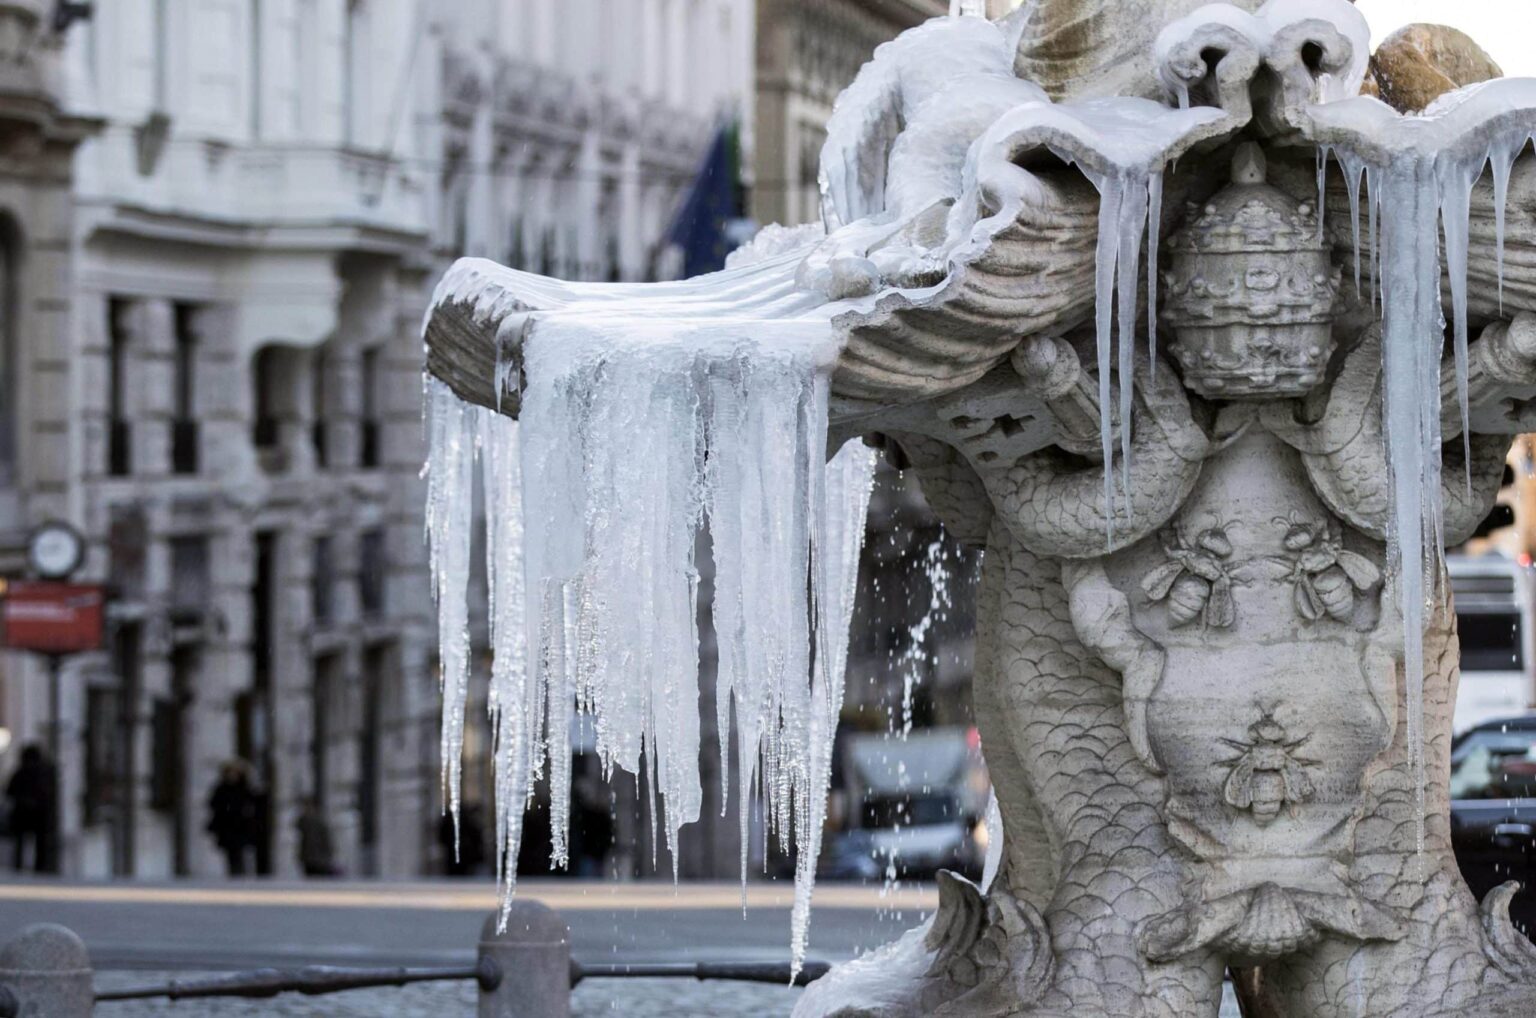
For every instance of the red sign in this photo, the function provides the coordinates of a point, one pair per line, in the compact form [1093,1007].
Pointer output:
[52,618]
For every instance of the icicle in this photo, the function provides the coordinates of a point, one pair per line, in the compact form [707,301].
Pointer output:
[1133,219]
[1154,243]
[1425,187]
[1502,156]
[1455,199]
[1322,188]
[512,723]
[1411,380]
[1354,170]
[840,536]
[629,437]
[1373,195]
[1111,202]
[450,505]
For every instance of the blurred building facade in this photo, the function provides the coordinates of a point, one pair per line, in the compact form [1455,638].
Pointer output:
[213,268]
[237,433]
[571,129]
[808,51]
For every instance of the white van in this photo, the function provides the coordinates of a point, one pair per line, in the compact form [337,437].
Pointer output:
[1494,605]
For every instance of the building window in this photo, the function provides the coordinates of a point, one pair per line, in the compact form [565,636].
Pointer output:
[368,452]
[320,580]
[9,363]
[373,568]
[119,430]
[355,90]
[165,736]
[102,757]
[516,257]
[281,390]
[319,432]
[184,435]
[264,611]
[189,579]
[266,431]
[370,771]
[326,719]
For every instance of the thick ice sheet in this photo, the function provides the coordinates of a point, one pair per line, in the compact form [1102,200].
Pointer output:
[639,425]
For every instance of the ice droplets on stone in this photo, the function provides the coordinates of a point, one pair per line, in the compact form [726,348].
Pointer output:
[627,443]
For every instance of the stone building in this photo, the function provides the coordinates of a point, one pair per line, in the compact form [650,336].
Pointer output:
[807,52]
[230,417]
[38,139]
[572,129]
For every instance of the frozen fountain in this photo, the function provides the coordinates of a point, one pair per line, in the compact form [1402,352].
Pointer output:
[1178,326]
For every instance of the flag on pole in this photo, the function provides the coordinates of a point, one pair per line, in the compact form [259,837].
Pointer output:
[705,227]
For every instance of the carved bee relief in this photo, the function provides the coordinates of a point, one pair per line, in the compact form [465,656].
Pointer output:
[1266,774]
[1196,581]
[1325,576]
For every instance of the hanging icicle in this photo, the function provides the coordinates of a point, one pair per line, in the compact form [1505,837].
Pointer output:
[1419,173]
[625,450]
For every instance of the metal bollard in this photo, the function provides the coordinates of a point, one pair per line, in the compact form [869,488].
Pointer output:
[48,970]
[534,958]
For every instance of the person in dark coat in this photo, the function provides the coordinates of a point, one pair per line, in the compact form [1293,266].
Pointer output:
[317,854]
[33,794]
[232,816]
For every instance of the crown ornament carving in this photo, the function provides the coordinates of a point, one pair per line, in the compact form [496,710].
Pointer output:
[1250,291]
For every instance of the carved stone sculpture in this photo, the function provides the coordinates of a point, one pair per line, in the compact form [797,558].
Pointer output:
[1191,676]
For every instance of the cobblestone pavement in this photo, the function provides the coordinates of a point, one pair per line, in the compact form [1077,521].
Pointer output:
[596,998]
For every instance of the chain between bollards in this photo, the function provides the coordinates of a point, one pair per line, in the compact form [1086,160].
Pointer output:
[311,980]
[750,971]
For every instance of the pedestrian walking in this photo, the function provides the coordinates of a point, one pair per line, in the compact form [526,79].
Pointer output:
[33,796]
[232,819]
[317,855]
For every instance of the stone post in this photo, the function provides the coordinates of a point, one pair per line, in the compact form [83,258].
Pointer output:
[48,970]
[534,956]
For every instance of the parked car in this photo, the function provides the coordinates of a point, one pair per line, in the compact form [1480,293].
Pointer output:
[1493,810]
[1494,605]
[913,805]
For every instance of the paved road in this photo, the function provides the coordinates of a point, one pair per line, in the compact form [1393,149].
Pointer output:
[144,933]
[243,924]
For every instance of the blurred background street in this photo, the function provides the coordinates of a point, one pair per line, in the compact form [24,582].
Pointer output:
[243,925]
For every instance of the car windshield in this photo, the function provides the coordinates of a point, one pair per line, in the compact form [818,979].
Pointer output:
[1495,765]
[1490,641]
[909,811]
